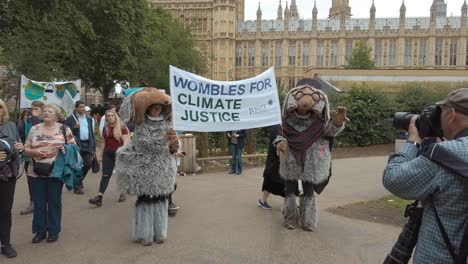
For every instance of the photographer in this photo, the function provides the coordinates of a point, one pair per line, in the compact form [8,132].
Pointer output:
[444,193]
[9,164]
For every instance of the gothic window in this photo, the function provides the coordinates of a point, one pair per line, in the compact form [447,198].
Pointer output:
[292,83]
[349,49]
[278,55]
[438,51]
[238,56]
[378,52]
[292,54]
[334,53]
[408,51]
[320,53]
[422,52]
[392,52]
[265,56]
[466,62]
[453,52]
[251,56]
[305,55]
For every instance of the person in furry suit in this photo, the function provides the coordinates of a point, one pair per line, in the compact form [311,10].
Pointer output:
[146,167]
[305,151]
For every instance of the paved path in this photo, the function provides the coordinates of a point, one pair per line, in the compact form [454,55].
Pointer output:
[219,222]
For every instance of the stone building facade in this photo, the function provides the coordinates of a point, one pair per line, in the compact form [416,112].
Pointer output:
[239,49]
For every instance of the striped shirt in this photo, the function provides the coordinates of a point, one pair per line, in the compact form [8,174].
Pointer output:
[415,177]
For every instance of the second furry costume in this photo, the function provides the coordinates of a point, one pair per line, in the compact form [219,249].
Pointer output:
[146,167]
[304,150]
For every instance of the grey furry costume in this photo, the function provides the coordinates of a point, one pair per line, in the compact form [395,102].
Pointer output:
[314,169]
[146,168]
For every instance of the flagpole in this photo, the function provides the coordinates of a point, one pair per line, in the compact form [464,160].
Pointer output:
[18,100]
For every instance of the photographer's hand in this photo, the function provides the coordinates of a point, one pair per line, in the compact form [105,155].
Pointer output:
[413,133]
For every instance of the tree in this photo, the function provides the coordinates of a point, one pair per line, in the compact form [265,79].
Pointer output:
[371,114]
[361,57]
[102,42]
[166,42]
[43,39]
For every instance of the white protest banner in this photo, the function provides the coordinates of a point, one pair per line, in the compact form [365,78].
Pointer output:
[47,92]
[68,105]
[204,105]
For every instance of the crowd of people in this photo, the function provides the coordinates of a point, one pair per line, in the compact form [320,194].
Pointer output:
[54,151]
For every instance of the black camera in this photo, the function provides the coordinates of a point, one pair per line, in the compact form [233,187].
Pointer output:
[403,248]
[428,122]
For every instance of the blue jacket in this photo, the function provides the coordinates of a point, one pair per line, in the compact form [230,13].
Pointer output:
[68,166]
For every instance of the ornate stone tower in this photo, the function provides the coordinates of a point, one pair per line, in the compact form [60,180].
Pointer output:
[240,10]
[440,8]
[225,15]
[338,7]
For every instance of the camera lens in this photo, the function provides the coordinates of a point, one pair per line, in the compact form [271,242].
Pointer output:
[402,120]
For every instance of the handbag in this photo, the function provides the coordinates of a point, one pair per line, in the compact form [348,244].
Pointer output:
[95,166]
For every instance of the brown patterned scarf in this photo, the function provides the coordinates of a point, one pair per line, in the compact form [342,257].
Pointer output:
[299,142]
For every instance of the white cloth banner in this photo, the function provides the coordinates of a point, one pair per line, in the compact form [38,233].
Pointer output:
[47,92]
[204,105]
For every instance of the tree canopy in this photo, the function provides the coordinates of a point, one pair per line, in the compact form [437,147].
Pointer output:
[361,57]
[102,42]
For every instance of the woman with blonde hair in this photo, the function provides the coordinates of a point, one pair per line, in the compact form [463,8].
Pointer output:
[42,144]
[115,135]
[10,146]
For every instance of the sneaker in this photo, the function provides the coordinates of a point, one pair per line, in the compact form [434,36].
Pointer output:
[78,191]
[38,237]
[8,251]
[122,198]
[52,238]
[173,206]
[264,205]
[182,173]
[96,200]
[28,209]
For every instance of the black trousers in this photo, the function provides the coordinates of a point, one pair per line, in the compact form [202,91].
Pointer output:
[87,157]
[7,193]
[108,164]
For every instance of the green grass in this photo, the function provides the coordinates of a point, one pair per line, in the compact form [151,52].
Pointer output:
[390,201]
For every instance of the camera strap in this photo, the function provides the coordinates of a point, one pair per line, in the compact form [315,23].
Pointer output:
[448,160]
[460,255]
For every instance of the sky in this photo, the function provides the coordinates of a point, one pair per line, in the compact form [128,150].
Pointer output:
[359,8]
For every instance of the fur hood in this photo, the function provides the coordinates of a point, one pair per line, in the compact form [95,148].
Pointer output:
[134,106]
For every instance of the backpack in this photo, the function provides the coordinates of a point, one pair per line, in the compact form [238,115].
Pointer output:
[448,160]
[7,166]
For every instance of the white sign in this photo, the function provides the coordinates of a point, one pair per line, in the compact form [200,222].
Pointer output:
[68,105]
[204,105]
[47,92]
